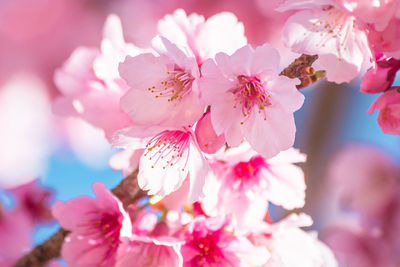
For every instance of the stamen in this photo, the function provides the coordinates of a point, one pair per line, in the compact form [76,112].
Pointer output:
[168,147]
[249,93]
[176,85]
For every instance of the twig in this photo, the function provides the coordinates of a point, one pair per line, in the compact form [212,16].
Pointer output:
[301,68]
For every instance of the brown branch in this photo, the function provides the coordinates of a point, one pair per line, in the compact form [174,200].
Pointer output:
[127,191]
[301,68]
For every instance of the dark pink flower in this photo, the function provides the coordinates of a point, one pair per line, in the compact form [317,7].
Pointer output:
[149,252]
[209,243]
[96,227]
[380,78]
[388,105]
[34,201]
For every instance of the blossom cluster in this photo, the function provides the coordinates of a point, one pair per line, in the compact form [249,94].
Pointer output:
[350,36]
[208,121]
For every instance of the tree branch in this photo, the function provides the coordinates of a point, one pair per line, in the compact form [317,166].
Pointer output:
[301,68]
[128,192]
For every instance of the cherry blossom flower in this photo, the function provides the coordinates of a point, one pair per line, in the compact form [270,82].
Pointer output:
[149,252]
[354,247]
[389,111]
[219,33]
[380,78]
[290,246]
[329,29]
[209,242]
[364,180]
[248,99]
[242,182]
[374,12]
[170,156]
[164,88]
[90,82]
[96,227]
[34,200]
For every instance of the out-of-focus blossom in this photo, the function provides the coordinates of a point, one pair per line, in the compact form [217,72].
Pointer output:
[143,221]
[388,105]
[364,180]
[90,83]
[208,140]
[290,246]
[149,252]
[96,227]
[248,99]
[15,236]
[220,33]
[380,78]
[34,200]
[209,242]
[25,119]
[170,155]
[164,88]
[242,182]
[356,248]
[86,141]
[327,28]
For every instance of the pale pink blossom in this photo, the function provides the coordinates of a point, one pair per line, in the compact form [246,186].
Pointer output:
[96,227]
[357,248]
[364,180]
[149,252]
[327,28]
[90,83]
[15,235]
[210,242]
[164,87]
[205,38]
[380,78]
[243,182]
[374,12]
[170,156]
[388,105]
[25,138]
[87,142]
[208,140]
[290,246]
[250,100]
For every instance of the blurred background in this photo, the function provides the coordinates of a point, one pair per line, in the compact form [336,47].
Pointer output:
[67,155]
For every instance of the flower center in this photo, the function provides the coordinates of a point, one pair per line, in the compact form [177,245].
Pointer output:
[249,92]
[168,148]
[104,229]
[244,171]
[175,86]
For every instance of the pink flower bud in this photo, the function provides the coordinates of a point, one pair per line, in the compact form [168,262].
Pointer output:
[207,139]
